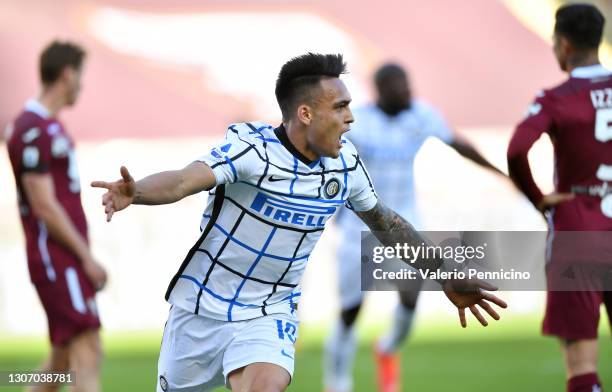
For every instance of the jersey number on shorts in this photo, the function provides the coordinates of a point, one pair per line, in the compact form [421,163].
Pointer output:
[288,329]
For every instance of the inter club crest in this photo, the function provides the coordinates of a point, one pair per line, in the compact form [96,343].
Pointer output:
[331,188]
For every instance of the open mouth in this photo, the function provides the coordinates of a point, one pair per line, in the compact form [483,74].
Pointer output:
[340,141]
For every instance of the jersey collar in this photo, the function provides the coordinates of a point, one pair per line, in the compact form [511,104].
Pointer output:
[281,134]
[590,71]
[34,106]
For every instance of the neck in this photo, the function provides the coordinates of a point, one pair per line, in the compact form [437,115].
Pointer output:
[52,99]
[582,60]
[392,111]
[297,136]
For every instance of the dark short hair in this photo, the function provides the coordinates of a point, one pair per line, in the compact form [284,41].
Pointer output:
[388,70]
[57,56]
[300,74]
[581,24]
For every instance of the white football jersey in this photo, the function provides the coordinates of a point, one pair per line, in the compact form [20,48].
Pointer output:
[262,220]
[388,146]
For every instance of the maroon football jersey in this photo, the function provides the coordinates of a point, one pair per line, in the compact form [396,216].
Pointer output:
[40,144]
[577,115]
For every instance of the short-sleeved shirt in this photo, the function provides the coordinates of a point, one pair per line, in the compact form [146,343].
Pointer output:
[388,146]
[38,143]
[577,115]
[263,218]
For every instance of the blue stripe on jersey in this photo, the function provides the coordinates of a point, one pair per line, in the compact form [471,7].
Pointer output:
[245,246]
[249,272]
[290,298]
[263,198]
[266,139]
[295,197]
[217,296]
[292,295]
[333,209]
[345,176]
[229,161]
[259,133]
[254,131]
[295,165]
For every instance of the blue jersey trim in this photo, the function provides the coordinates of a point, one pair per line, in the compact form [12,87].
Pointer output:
[295,165]
[215,295]
[294,196]
[253,250]
[249,272]
[345,177]
[229,161]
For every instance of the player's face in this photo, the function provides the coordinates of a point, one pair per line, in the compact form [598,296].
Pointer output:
[73,84]
[394,93]
[331,117]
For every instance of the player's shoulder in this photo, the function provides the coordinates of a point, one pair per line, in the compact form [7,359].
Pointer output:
[29,127]
[250,133]
[580,79]
[423,108]
[551,93]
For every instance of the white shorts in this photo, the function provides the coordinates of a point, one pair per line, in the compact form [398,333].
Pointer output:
[349,275]
[198,353]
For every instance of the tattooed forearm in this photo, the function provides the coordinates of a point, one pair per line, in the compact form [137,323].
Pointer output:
[390,228]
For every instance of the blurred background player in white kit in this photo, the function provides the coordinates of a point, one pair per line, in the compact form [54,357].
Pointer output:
[388,135]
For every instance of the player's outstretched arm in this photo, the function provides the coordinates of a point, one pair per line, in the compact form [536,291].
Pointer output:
[466,150]
[159,188]
[467,293]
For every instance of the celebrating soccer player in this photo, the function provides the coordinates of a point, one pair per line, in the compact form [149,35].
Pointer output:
[577,115]
[62,269]
[236,293]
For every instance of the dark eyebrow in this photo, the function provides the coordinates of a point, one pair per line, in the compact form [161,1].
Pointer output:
[344,102]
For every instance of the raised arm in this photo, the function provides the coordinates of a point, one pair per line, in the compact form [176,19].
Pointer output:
[463,294]
[159,188]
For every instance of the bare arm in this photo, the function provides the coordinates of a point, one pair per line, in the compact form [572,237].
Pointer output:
[467,293]
[159,188]
[381,220]
[468,151]
[172,186]
[40,192]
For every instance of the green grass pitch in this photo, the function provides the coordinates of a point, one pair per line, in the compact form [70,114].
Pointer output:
[440,356]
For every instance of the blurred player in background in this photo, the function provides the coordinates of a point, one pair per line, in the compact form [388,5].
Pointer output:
[62,268]
[577,115]
[388,135]
[236,294]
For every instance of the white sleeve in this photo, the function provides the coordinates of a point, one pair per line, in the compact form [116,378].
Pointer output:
[362,196]
[232,160]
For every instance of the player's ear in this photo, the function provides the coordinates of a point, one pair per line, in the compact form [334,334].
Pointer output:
[565,45]
[304,114]
[67,74]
